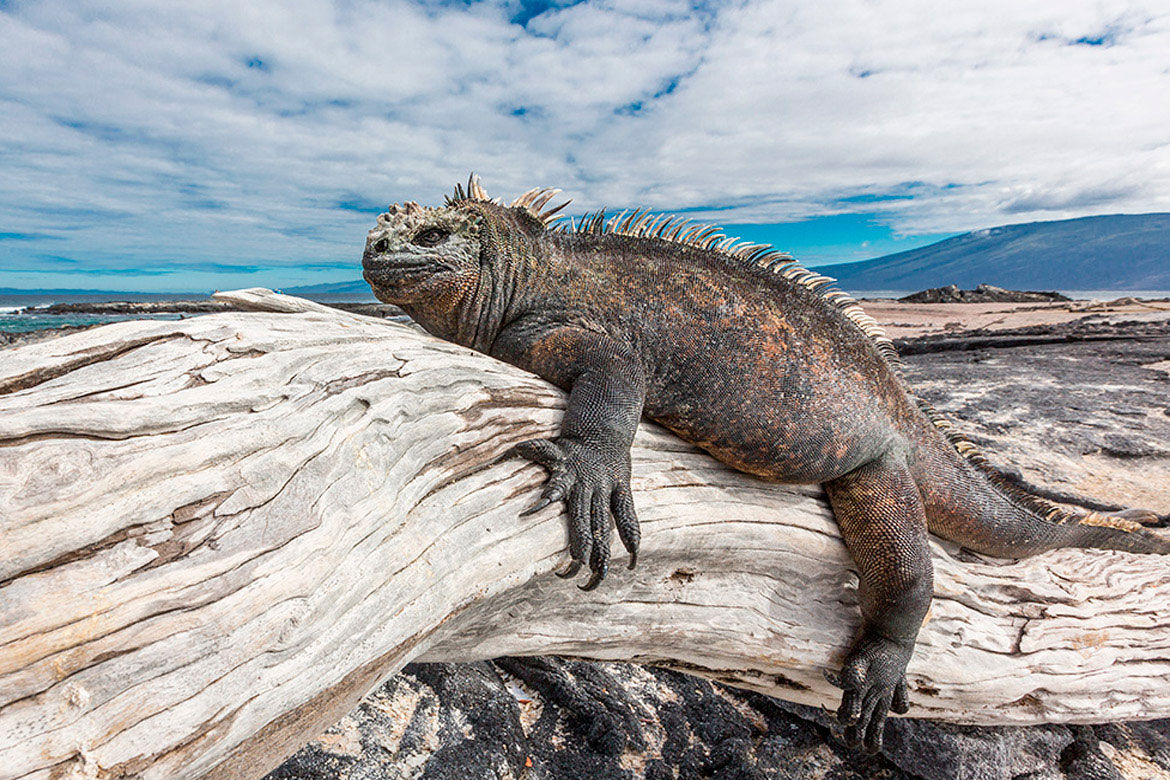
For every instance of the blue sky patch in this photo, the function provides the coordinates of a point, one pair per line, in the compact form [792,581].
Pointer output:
[361,205]
[6,236]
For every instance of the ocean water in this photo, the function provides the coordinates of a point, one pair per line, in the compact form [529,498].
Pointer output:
[13,322]
[19,312]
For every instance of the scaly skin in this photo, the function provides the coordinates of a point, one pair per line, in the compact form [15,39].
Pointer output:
[760,369]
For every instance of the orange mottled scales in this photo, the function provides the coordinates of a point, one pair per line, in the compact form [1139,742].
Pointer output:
[741,351]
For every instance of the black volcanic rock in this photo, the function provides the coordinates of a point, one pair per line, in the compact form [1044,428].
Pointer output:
[577,720]
[136,308]
[20,338]
[984,293]
[1116,252]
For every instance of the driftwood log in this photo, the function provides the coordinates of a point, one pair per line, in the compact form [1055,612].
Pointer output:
[218,534]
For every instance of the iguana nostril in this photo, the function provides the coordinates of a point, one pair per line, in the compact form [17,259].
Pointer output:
[381,245]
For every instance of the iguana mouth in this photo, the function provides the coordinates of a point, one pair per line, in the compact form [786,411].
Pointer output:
[399,282]
[392,269]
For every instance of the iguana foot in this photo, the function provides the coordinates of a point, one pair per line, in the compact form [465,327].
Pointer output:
[874,681]
[594,481]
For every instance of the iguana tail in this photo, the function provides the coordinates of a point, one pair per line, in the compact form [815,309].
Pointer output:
[970,502]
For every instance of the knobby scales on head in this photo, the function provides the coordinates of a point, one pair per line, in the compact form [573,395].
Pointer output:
[739,350]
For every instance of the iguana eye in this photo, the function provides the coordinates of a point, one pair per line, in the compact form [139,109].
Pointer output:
[381,245]
[431,237]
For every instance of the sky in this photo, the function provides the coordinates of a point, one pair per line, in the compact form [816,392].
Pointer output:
[187,146]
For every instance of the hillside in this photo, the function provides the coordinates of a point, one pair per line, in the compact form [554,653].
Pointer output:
[356,290]
[1115,252]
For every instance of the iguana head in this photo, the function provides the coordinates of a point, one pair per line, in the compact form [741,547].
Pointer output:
[416,253]
[454,268]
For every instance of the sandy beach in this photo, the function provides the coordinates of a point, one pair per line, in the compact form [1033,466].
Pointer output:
[912,320]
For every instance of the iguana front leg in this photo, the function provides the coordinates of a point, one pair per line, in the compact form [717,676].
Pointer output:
[589,463]
[879,511]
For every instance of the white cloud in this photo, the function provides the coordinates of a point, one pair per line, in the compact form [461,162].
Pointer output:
[231,133]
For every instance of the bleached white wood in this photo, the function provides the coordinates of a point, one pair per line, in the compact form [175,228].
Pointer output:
[217,534]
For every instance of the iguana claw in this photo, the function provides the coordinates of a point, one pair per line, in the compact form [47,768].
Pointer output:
[874,684]
[569,571]
[594,580]
[594,481]
[539,505]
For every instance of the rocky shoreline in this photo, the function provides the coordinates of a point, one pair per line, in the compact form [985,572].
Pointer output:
[984,293]
[136,308]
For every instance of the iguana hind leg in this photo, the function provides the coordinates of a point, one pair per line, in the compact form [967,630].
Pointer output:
[879,511]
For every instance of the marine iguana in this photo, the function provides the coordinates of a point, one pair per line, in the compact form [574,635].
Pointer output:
[741,351]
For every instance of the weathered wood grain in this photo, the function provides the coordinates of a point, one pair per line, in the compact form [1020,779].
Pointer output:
[218,534]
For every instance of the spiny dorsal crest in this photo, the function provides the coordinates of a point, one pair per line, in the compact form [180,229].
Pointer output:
[532,201]
[473,191]
[642,223]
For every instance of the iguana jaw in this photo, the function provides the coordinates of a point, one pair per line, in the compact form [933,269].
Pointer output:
[398,283]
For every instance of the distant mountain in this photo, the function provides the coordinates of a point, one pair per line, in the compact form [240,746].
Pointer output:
[357,290]
[1115,252]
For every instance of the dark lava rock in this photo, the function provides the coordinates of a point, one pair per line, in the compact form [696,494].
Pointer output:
[575,720]
[434,721]
[139,307]
[1081,393]
[984,293]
